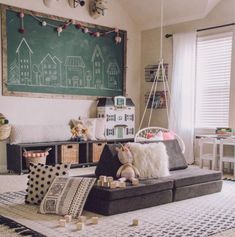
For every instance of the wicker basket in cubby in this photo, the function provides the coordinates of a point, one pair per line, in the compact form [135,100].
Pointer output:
[5,131]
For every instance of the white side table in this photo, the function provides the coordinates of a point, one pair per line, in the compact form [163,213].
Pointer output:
[231,159]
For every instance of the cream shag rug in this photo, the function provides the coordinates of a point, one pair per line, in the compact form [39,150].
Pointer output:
[197,217]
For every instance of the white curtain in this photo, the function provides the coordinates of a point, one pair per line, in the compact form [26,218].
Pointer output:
[181,119]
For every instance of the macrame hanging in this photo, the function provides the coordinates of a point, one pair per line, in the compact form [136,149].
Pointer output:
[160,74]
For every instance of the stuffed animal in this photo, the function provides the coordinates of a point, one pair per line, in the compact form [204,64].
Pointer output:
[127,171]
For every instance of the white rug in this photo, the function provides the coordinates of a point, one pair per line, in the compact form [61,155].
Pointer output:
[197,217]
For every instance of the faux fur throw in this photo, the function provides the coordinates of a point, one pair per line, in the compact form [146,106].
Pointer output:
[150,159]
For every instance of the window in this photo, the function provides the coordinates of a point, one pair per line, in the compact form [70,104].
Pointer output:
[213,80]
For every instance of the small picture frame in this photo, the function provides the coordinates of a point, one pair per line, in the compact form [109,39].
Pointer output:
[151,70]
[159,100]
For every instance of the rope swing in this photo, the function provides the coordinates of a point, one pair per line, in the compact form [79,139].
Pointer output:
[159,73]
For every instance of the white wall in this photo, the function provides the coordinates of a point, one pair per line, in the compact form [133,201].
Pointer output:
[223,13]
[25,110]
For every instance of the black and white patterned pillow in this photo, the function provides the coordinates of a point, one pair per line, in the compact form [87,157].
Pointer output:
[67,195]
[40,178]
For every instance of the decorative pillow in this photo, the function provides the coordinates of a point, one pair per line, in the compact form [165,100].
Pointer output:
[67,196]
[150,159]
[100,128]
[39,133]
[109,163]
[40,178]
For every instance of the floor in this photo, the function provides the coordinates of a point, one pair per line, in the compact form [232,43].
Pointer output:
[13,182]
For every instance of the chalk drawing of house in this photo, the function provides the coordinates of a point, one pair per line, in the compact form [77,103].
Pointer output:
[58,71]
[24,54]
[88,79]
[113,79]
[74,69]
[51,71]
[36,75]
[14,73]
[98,67]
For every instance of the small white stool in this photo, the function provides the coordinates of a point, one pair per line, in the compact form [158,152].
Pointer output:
[212,157]
[231,159]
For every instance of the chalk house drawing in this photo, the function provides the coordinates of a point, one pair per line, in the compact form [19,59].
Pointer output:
[74,69]
[113,72]
[50,71]
[98,67]
[24,53]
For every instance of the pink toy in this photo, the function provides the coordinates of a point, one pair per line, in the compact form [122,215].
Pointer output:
[168,136]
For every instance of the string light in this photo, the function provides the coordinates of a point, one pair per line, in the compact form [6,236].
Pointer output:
[60,28]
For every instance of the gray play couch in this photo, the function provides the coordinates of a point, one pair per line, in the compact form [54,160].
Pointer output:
[184,182]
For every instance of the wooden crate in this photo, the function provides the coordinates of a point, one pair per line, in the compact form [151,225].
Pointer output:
[97,149]
[69,153]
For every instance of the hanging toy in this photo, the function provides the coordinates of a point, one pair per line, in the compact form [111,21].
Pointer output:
[22,29]
[85,30]
[118,39]
[59,30]
[44,23]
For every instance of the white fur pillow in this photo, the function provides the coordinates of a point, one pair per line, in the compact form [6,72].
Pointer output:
[150,159]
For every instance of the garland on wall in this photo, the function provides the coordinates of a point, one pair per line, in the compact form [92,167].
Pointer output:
[64,25]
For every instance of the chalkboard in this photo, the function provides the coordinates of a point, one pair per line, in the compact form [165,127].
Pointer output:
[42,62]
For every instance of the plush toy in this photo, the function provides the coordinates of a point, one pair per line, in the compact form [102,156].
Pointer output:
[127,171]
[79,132]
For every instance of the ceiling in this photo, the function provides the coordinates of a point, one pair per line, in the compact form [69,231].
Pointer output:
[147,13]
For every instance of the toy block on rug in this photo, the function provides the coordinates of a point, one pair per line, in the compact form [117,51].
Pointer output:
[62,222]
[80,226]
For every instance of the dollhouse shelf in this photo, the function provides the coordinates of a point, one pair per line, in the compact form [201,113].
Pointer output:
[85,153]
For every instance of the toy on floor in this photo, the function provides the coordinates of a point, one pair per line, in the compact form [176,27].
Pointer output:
[127,171]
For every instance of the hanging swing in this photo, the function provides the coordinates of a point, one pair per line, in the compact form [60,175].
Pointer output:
[158,133]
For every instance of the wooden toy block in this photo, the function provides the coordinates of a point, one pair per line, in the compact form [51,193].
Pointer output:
[82,219]
[68,218]
[122,184]
[106,184]
[80,226]
[135,222]
[135,182]
[110,179]
[94,220]
[99,183]
[103,178]
[113,184]
[62,222]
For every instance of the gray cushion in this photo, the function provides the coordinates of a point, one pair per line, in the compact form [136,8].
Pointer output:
[146,186]
[193,175]
[109,163]
[111,207]
[176,158]
[197,190]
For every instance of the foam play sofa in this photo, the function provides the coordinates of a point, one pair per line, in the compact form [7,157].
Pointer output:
[184,182]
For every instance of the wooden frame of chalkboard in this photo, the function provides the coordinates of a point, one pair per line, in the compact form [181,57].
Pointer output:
[42,63]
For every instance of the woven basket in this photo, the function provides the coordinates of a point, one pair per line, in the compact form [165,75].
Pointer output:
[35,156]
[5,131]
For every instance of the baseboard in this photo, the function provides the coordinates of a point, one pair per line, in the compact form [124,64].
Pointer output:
[3,169]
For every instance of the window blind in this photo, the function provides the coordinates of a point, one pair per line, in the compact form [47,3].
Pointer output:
[213,72]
